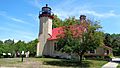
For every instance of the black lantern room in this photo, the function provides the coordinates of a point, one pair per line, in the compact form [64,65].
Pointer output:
[82,17]
[46,11]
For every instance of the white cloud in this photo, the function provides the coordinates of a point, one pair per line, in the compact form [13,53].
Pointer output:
[77,12]
[70,8]
[100,15]
[34,16]
[14,30]
[35,3]
[16,34]
[17,20]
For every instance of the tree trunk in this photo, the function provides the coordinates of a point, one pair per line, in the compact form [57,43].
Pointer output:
[80,56]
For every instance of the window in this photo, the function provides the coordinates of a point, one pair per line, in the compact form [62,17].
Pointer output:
[55,46]
[107,51]
[92,51]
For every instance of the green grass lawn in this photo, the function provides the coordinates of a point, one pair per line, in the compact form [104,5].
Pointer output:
[118,65]
[49,62]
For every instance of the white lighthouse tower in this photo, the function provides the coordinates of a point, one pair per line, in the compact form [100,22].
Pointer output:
[45,30]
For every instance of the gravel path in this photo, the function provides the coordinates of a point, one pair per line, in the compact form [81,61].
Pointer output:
[110,65]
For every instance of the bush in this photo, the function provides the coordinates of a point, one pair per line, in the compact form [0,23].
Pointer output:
[93,57]
[108,58]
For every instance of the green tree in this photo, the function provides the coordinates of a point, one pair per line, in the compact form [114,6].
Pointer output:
[1,42]
[1,47]
[70,21]
[90,39]
[7,46]
[57,22]
[10,47]
[107,39]
[9,42]
[115,44]
[32,47]
[20,46]
[65,43]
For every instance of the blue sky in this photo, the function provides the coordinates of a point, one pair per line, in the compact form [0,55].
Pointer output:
[19,18]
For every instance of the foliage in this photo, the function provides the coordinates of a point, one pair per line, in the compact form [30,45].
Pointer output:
[6,46]
[113,40]
[20,46]
[93,37]
[58,22]
[64,44]
[1,42]
[9,42]
[9,46]
[89,40]
[32,47]
[70,21]
[107,40]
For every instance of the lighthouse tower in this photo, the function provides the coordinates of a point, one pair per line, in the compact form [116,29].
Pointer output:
[45,29]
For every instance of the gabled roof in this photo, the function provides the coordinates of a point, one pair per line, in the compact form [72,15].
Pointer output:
[55,33]
[76,30]
[106,47]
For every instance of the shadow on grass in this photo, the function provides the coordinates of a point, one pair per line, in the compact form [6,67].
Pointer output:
[68,63]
